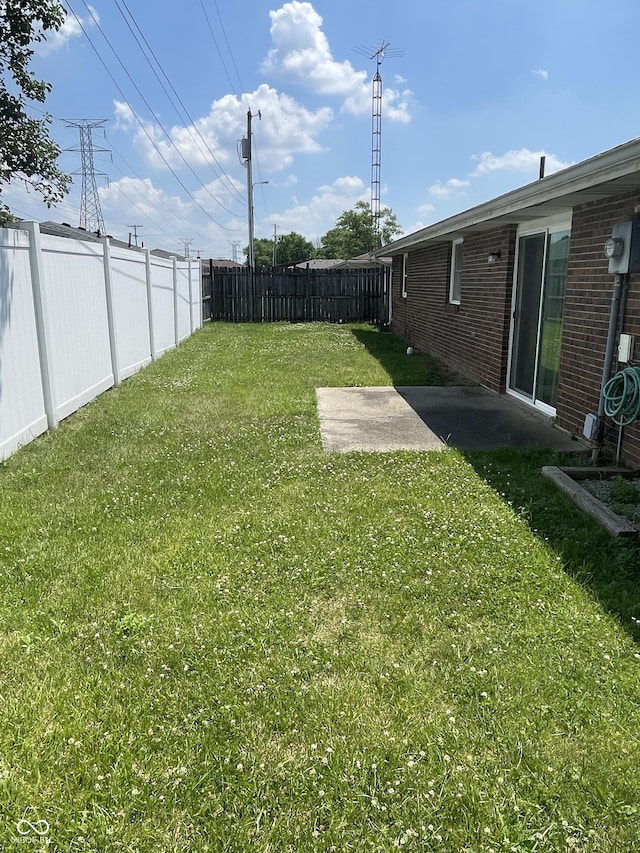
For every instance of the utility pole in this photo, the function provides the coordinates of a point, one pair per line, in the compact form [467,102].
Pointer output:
[187,243]
[135,233]
[246,155]
[234,248]
[275,242]
[91,218]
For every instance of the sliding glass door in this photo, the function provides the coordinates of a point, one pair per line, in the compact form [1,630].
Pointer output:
[537,318]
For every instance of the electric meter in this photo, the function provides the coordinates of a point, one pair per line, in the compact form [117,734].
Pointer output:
[614,247]
[617,249]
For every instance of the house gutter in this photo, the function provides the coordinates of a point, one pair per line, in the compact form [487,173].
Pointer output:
[612,165]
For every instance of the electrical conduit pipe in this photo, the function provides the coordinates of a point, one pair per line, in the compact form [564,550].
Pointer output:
[620,283]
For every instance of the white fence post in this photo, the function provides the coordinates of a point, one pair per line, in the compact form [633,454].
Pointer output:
[43,330]
[176,329]
[152,340]
[190,300]
[113,340]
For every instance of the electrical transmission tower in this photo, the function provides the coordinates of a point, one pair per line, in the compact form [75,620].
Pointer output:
[379,54]
[91,218]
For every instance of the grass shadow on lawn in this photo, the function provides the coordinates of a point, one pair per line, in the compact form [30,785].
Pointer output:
[416,369]
[607,567]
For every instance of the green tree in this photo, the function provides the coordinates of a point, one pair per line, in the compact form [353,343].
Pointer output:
[26,150]
[262,252]
[291,249]
[354,235]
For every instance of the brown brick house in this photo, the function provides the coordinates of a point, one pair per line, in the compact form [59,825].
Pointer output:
[516,293]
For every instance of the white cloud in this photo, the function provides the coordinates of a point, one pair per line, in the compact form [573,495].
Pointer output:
[541,73]
[454,186]
[516,161]
[317,216]
[286,129]
[166,215]
[487,163]
[418,225]
[132,199]
[220,190]
[301,53]
[70,29]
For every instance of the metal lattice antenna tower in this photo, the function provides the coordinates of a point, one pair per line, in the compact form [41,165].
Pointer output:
[91,217]
[379,54]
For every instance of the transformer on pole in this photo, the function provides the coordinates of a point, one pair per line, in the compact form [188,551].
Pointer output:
[91,218]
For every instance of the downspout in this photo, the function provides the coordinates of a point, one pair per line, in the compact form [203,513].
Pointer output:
[616,318]
[622,313]
[388,277]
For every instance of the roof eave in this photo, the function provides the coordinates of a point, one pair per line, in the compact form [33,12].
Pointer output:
[605,174]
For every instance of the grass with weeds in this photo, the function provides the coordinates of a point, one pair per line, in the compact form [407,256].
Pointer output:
[216,637]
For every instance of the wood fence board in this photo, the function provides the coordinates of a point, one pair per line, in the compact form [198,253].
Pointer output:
[333,296]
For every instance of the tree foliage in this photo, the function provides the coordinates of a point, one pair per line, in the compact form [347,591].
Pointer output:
[354,233]
[26,150]
[290,249]
[293,248]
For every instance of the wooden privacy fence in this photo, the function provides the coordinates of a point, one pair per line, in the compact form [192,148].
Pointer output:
[331,296]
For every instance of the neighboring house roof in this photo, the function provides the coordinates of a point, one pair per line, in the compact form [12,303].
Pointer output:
[222,263]
[62,229]
[319,264]
[613,171]
[160,253]
[364,261]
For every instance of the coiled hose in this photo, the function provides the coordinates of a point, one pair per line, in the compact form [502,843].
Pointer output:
[622,396]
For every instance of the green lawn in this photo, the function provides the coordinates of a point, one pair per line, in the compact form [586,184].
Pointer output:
[216,637]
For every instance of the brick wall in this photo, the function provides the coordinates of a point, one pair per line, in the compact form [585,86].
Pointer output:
[472,337]
[586,319]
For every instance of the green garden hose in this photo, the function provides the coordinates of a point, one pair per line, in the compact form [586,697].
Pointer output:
[622,396]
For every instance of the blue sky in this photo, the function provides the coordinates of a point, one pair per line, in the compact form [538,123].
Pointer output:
[481,90]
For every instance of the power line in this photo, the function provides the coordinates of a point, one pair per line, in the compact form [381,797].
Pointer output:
[164,130]
[143,128]
[91,217]
[224,33]
[224,65]
[169,212]
[135,232]
[185,112]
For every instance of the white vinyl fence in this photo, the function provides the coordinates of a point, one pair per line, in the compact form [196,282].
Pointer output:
[76,318]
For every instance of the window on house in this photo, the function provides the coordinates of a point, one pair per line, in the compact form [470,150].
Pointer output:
[405,263]
[457,265]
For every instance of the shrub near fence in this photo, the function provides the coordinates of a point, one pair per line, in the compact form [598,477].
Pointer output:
[332,296]
[76,318]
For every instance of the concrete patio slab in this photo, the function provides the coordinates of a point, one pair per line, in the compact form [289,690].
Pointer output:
[430,418]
